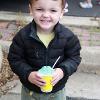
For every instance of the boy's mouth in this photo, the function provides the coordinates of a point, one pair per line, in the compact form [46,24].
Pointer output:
[45,21]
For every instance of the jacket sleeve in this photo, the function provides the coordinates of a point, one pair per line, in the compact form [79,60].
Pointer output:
[72,56]
[16,58]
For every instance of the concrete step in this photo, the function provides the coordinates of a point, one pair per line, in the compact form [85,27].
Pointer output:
[90,58]
[80,86]
[66,20]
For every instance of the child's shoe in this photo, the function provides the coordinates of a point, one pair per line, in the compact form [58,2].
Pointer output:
[98,2]
[86,5]
[66,8]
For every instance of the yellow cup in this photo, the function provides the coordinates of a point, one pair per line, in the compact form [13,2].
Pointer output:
[48,86]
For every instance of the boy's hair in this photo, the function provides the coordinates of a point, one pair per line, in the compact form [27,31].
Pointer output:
[63,2]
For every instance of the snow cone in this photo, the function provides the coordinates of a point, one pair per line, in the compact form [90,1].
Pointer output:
[46,72]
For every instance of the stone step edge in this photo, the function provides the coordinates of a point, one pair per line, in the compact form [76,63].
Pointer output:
[66,20]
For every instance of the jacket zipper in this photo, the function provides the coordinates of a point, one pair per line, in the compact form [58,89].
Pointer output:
[46,56]
[47,51]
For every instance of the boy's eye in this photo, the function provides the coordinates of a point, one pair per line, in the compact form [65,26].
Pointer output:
[53,10]
[39,9]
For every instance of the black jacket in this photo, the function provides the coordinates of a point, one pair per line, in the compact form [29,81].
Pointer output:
[27,53]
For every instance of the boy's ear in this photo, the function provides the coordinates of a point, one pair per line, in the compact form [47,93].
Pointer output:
[30,9]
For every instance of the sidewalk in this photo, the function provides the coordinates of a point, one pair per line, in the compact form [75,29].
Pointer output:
[80,86]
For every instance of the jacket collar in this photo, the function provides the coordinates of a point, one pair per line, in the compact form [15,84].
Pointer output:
[33,32]
[58,30]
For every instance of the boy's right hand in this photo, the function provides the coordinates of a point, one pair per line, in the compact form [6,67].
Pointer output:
[34,78]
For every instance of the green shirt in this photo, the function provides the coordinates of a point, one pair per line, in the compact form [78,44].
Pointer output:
[46,38]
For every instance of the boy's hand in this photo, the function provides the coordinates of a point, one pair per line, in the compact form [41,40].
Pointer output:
[58,75]
[34,78]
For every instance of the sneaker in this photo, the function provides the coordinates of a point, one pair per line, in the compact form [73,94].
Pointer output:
[86,5]
[98,2]
[66,8]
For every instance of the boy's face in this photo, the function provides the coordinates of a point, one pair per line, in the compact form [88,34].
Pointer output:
[46,13]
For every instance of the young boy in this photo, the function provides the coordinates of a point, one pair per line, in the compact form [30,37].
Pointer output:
[39,44]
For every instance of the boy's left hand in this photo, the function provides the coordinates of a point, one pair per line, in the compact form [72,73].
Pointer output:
[58,75]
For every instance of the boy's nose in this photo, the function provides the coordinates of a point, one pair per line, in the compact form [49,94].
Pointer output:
[46,14]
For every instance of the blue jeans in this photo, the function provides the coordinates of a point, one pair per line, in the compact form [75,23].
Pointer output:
[27,95]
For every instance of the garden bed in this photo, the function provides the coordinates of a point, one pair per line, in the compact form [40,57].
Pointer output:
[6,75]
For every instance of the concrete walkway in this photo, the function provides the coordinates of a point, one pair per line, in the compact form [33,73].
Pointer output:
[83,85]
[80,86]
